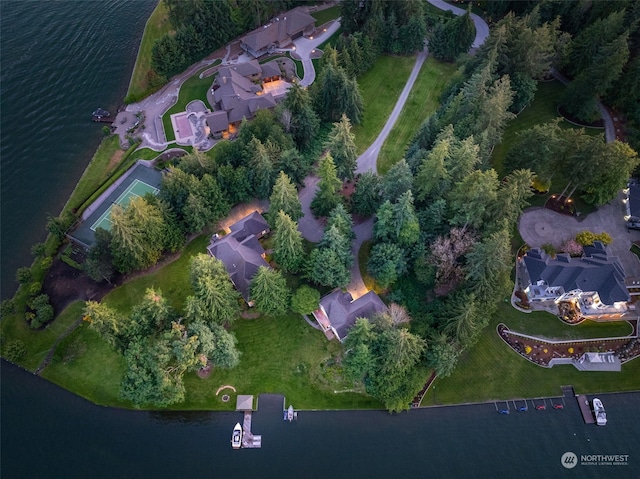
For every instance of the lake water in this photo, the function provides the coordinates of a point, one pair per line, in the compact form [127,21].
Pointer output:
[60,61]
[49,433]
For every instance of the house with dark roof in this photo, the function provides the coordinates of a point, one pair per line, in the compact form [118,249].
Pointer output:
[594,283]
[279,32]
[338,312]
[632,205]
[241,252]
[237,93]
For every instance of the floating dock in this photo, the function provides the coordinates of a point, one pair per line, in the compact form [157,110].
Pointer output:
[585,409]
[249,440]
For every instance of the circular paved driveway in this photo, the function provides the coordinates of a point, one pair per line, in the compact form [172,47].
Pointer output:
[540,226]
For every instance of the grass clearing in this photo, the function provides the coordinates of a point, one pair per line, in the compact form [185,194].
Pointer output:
[490,370]
[326,15]
[281,355]
[172,279]
[84,364]
[157,26]
[423,100]
[38,342]
[380,87]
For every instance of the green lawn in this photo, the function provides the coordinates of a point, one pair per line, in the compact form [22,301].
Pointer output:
[157,26]
[193,88]
[546,325]
[423,100]
[172,280]
[38,343]
[105,161]
[323,16]
[84,364]
[280,355]
[380,87]
[542,109]
[491,370]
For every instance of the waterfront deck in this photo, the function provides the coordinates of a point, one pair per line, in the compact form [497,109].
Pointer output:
[585,409]
[249,440]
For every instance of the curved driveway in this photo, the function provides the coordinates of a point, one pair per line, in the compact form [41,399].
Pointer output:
[304,49]
[482,29]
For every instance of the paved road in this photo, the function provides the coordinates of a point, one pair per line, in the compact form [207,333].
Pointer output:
[310,227]
[482,29]
[304,49]
[609,127]
[368,160]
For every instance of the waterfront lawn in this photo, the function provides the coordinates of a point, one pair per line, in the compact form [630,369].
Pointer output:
[490,370]
[38,342]
[105,161]
[380,87]
[87,366]
[194,88]
[328,14]
[157,26]
[546,325]
[282,355]
[172,279]
[423,100]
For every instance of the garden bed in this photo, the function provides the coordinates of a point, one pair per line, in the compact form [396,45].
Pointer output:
[541,352]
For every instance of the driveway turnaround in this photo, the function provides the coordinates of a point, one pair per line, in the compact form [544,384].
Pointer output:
[539,226]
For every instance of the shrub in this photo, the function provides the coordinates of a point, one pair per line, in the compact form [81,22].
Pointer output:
[35,288]
[47,262]
[15,350]
[305,300]
[38,250]
[24,275]
[549,249]
[572,247]
[43,311]
[587,238]
[7,308]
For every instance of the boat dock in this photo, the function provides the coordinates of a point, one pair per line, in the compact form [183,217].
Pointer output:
[585,409]
[102,119]
[249,440]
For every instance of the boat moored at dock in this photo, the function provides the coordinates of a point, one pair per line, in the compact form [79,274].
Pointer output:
[599,412]
[236,437]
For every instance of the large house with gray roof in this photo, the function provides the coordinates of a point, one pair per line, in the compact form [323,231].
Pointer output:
[241,252]
[594,283]
[237,93]
[281,31]
[338,312]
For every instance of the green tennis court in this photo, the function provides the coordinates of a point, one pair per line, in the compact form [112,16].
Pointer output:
[134,190]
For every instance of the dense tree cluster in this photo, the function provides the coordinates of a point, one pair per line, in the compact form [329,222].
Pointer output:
[159,346]
[452,36]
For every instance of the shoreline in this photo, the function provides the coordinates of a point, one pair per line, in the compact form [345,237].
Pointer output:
[146,272]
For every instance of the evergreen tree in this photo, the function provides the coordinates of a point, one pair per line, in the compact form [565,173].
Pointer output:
[367,195]
[284,198]
[327,197]
[288,250]
[387,263]
[269,292]
[341,144]
[397,181]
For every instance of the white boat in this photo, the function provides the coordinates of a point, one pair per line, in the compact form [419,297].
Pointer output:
[290,414]
[236,438]
[598,410]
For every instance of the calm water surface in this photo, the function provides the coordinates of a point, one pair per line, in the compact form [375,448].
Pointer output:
[60,60]
[49,433]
